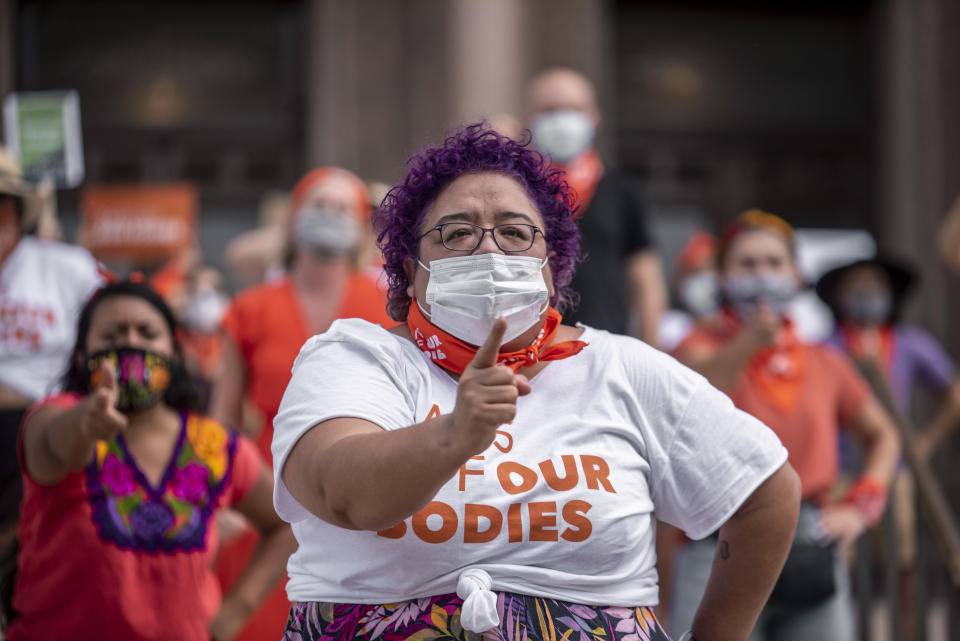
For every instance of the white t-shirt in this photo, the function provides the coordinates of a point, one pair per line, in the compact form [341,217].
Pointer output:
[43,286]
[562,505]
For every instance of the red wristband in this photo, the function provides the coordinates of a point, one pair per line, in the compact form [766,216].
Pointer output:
[870,497]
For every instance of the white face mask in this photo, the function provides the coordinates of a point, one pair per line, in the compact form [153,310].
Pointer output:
[563,134]
[700,294]
[205,310]
[468,293]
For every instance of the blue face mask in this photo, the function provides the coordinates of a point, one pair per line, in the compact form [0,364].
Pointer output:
[867,307]
[745,293]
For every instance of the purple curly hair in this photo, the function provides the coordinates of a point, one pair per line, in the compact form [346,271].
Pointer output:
[475,148]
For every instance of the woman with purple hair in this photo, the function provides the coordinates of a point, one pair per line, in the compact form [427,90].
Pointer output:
[484,468]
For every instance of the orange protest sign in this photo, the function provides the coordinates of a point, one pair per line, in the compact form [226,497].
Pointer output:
[139,224]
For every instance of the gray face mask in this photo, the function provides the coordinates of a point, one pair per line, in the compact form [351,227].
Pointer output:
[869,308]
[326,233]
[746,292]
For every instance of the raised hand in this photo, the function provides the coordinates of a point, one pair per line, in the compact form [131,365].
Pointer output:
[764,326]
[486,396]
[103,420]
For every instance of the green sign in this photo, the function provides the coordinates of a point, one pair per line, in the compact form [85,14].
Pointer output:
[43,132]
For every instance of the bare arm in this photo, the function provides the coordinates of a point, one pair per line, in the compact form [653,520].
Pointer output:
[724,366]
[750,554]
[58,441]
[876,434]
[226,401]
[265,567]
[648,294]
[946,420]
[354,474]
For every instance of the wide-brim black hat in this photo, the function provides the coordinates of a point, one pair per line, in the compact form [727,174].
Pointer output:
[901,276]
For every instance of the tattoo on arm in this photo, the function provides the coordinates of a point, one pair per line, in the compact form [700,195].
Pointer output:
[724,550]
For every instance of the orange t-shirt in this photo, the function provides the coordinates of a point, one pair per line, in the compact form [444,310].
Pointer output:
[267,323]
[831,393]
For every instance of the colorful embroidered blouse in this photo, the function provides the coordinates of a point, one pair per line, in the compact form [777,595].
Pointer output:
[104,552]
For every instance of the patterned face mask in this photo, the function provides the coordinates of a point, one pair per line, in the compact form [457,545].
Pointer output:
[142,376]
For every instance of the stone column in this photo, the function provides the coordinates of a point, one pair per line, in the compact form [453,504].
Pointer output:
[489,65]
[912,192]
[331,46]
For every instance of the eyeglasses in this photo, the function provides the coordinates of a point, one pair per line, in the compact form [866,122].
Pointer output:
[465,237]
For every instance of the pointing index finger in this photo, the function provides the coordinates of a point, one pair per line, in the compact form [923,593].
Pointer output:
[108,377]
[486,356]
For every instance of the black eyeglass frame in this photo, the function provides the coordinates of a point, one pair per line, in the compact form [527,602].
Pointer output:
[483,232]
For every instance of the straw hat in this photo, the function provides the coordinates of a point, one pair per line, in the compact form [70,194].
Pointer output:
[12,183]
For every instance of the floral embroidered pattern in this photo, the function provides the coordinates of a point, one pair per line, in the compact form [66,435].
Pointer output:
[522,618]
[129,512]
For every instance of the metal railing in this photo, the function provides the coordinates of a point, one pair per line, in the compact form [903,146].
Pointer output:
[927,608]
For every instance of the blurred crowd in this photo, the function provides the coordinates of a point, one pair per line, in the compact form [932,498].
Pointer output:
[723,311]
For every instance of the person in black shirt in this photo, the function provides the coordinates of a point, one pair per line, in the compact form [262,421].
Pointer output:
[620,281]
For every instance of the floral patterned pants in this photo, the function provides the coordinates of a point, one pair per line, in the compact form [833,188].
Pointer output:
[522,618]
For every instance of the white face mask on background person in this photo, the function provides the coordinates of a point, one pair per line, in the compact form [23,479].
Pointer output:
[746,292]
[205,310]
[700,294]
[467,294]
[563,134]
[327,233]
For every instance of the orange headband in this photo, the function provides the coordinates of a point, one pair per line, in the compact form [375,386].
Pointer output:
[751,220]
[321,175]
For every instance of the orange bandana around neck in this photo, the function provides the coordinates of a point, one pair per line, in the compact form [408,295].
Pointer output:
[452,354]
[776,372]
[583,175]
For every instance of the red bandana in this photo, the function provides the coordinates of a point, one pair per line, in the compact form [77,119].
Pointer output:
[454,355]
[583,175]
[873,344]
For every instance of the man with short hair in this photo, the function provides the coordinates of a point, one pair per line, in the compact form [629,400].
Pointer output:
[620,281]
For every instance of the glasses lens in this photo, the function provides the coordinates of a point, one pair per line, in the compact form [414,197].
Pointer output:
[514,237]
[460,236]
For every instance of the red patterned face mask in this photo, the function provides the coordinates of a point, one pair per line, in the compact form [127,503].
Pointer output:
[454,355]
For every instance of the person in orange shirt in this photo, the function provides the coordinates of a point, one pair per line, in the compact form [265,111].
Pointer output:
[804,392]
[266,325]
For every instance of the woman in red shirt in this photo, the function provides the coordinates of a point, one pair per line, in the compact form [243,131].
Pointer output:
[804,393]
[265,327]
[121,481]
